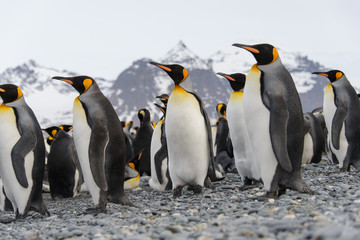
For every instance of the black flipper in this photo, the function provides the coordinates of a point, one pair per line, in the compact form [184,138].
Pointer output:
[26,143]
[98,141]
[159,157]
[278,128]
[162,153]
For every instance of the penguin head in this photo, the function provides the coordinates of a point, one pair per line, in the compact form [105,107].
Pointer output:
[221,110]
[236,80]
[163,98]
[332,75]
[264,53]
[52,131]
[80,83]
[65,127]
[144,115]
[10,93]
[177,73]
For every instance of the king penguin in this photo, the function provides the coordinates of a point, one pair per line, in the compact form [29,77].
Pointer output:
[314,140]
[160,177]
[188,134]
[342,116]
[222,142]
[100,143]
[274,121]
[63,166]
[22,153]
[142,141]
[245,162]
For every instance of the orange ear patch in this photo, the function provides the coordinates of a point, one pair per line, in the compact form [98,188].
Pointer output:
[185,73]
[53,132]
[19,93]
[338,75]
[87,83]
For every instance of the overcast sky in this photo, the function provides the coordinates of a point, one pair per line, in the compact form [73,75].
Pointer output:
[102,38]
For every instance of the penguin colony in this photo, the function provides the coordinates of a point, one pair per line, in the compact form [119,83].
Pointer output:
[261,133]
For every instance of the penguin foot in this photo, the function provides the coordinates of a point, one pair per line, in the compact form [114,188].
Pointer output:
[95,211]
[40,208]
[208,183]
[267,196]
[7,220]
[303,188]
[345,169]
[281,191]
[247,187]
[177,192]
[306,189]
[124,200]
[197,189]
[249,184]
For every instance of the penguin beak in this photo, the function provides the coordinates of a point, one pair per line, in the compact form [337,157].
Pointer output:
[321,73]
[161,66]
[67,80]
[226,76]
[246,47]
[2,90]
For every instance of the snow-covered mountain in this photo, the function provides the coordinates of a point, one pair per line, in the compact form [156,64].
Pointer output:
[137,86]
[51,100]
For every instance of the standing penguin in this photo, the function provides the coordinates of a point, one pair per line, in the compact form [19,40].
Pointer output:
[164,98]
[342,116]
[274,120]
[188,134]
[22,153]
[245,161]
[222,142]
[63,167]
[160,177]
[142,141]
[100,143]
[314,140]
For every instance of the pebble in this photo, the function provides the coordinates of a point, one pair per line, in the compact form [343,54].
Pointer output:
[223,213]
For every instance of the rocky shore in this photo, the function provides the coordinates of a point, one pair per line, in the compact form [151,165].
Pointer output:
[223,213]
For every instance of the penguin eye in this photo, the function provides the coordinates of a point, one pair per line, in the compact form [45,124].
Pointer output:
[87,83]
[338,75]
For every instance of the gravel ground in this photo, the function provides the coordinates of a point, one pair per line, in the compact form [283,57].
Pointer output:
[224,213]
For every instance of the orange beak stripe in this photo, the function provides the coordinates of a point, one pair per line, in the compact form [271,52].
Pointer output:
[67,81]
[2,90]
[230,78]
[323,74]
[250,49]
[165,68]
